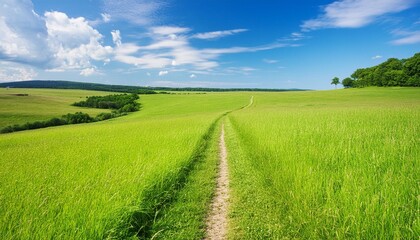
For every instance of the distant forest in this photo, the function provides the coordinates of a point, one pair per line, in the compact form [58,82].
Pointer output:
[126,89]
[77,85]
[393,72]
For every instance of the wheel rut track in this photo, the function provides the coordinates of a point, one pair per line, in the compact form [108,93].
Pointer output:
[139,222]
[217,219]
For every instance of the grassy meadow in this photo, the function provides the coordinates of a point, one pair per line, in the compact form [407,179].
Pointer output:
[106,179]
[41,104]
[303,165]
[326,165]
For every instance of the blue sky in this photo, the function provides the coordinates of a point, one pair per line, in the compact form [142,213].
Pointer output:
[203,43]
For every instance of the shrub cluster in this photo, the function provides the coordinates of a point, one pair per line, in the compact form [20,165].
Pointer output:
[70,118]
[122,102]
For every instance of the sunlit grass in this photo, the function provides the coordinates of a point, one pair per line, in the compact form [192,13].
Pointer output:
[335,164]
[88,181]
[309,165]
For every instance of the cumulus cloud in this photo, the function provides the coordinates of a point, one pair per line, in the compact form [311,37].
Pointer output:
[22,33]
[376,57]
[74,41]
[162,73]
[354,13]
[54,41]
[406,37]
[57,42]
[217,34]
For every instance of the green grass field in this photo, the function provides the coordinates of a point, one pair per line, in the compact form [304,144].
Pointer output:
[41,104]
[327,165]
[104,179]
[306,165]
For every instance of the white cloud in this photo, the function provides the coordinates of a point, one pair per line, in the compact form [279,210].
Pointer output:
[15,72]
[22,33]
[148,74]
[116,37]
[140,12]
[168,30]
[293,37]
[193,76]
[270,61]
[54,41]
[240,70]
[162,73]
[57,42]
[406,37]
[74,42]
[88,72]
[170,47]
[218,51]
[217,34]
[106,17]
[376,57]
[206,84]
[354,13]
[146,61]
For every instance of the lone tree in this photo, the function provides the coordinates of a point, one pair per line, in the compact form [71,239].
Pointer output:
[335,81]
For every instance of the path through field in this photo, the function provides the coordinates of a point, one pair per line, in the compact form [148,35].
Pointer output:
[217,220]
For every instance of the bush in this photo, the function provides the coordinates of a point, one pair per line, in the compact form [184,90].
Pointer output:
[55,122]
[76,118]
[131,107]
[104,116]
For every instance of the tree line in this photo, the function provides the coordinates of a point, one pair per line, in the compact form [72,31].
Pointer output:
[55,84]
[121,104]
[393,72]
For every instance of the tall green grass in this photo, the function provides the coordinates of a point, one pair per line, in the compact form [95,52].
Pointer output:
[104,179]
[326,165]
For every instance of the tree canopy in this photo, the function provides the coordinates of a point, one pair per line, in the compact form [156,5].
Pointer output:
[122,102]
[335,81]
[392,72]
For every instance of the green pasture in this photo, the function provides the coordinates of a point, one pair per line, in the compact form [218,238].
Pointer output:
[106,179]
[340,164]
[41,104]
